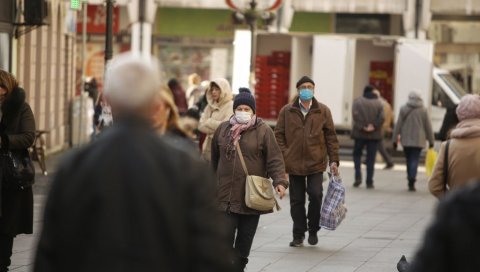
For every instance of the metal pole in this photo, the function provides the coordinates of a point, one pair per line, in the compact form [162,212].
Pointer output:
[417,16]
[141,18]
[109,32]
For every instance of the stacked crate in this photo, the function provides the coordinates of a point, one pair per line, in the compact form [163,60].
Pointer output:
[272,75]
[381,76]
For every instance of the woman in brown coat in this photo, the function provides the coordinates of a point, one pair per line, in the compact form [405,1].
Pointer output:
[17,133]
[463,151]
[262,158]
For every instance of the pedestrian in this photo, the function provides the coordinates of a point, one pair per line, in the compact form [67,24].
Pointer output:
[463,152]
[387,129]
[178,96]
[218,110]
[413,128]
[262,157]
[452,242]
[368,117]
[306,136]
[17,134]
[167,122]
[450,120]
[129,201]
[195,90]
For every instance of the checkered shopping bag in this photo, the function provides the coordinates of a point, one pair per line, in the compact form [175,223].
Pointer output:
[333,208]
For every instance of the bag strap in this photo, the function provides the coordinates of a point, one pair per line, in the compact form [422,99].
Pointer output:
[445,167]
[244,166]
[406,115]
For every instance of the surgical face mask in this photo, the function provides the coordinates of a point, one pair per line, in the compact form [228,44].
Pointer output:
[306,94]
[243,117]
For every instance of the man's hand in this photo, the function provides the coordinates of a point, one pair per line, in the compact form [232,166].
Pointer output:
[334,169]
[280,190]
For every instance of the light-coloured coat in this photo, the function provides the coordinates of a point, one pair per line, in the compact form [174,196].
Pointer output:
[463,158]
[215,113]
[413,124]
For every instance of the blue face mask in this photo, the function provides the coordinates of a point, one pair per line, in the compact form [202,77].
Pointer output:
[306,94]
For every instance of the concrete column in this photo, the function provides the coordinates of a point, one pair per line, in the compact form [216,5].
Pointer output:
[142,16]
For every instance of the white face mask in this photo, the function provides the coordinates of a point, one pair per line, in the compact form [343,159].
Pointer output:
[243,117]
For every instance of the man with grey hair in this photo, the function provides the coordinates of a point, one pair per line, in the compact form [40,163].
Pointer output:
[125,201]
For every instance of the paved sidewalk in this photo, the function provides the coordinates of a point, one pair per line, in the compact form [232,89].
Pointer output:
[381,225]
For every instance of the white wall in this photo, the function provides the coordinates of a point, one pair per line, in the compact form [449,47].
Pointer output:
[301,61]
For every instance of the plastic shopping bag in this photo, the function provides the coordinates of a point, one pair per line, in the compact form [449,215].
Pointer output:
[430,160]
[333,208]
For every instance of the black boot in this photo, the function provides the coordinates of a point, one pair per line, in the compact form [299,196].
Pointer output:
[411,185]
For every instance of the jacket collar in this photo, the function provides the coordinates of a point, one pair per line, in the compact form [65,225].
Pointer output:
[469,128]
[315,107]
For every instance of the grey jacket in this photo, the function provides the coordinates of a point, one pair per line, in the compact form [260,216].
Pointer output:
[367,111]
[413,124]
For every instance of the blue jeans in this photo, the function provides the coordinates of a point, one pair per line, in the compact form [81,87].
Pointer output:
[357,158]
[412,155]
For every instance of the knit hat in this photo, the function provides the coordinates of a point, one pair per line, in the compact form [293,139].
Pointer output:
[244,97]
[469,107]
[304,79]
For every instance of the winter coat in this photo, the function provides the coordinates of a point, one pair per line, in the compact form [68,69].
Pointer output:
[126,203]
[463,158]
[215,114]
[306,141]
[413,124]
[388,120]
[180,99]
[367,111]
[262,158]
[450,120]
[452,242]
[17,131]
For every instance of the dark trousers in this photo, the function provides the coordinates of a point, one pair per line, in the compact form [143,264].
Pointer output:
[385,155]
[312,185]
[412,155]
[245,227]
[357,158]
[6,246]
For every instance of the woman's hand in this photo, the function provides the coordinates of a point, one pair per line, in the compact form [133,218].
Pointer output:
[280,190]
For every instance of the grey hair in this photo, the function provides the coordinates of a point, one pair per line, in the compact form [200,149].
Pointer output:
[132,80]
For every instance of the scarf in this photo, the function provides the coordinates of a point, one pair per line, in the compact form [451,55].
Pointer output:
[237,128]
[235,133]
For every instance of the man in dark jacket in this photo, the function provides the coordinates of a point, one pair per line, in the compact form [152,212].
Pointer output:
[368,117]
[306,135]
[125,202]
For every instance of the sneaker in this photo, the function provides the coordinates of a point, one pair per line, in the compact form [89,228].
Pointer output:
[357,183]
[370,186]
[389,166]
[297,242]
[312,238]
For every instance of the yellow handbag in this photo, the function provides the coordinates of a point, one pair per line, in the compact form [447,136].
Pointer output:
[430,160]
[259,193]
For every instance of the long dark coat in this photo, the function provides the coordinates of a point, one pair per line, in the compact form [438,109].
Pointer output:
[17,132]
[130,201]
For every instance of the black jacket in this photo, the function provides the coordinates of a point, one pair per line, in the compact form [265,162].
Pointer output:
[126,203]
[17,131]
[452,242]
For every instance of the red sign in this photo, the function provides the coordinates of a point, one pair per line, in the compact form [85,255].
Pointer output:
[97,18]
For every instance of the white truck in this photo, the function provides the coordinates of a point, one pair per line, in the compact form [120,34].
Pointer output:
[341,65]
